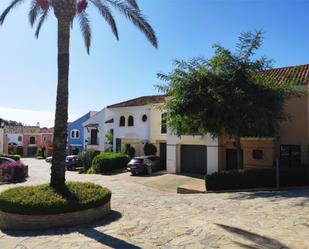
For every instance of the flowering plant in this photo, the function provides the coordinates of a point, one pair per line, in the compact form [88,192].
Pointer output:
[12,171]
[11,165]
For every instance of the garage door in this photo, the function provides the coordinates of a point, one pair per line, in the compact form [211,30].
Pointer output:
[193,159]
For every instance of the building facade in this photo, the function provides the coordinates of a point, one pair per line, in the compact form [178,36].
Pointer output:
[76,134]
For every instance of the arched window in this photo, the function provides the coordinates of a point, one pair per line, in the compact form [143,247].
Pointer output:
[77,134]
[32,140]
[122,121]
[73,134]
[130,121]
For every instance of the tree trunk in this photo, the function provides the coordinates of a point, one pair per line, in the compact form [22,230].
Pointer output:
[57,180]
[239,152]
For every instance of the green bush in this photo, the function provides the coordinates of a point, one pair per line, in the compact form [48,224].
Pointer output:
[87,156]
[41,199]
[259,178]
[39,157]
[150,149]
[108,161]
[14,157]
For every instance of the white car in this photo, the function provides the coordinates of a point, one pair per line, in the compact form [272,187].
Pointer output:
[49,159]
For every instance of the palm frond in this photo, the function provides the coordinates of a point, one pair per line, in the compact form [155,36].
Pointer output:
[85,28]
[42,20]
[137,19]
[107,15]
[133,3]
[13,4]
[33,13]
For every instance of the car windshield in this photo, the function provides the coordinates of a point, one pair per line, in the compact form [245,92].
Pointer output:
[136,160]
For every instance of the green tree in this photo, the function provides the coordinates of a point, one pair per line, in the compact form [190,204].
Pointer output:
[65,12]
[228,93]
[109,136]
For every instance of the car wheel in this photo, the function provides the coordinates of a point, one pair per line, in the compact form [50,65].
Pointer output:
[133,173]
[73,167]
[149,170]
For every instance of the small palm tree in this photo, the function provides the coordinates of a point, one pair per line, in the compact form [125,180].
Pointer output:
[66,11]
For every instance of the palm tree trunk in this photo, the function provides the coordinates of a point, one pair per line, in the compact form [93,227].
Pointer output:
[57,180]
[239,152]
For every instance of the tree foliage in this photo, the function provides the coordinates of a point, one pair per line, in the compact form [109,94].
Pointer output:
[227,92]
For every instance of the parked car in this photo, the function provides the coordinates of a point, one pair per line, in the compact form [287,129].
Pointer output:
[72,162]
[6,160]
[49,159]
[144,164]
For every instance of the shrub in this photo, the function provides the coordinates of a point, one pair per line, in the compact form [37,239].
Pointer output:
[41,199]
[109,161]
[39,157]
[259,178]
[10,172]
[129,150]
[150,149]
[14,157]
[87,156]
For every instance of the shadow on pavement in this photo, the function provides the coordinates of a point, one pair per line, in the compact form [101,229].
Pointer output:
[88,230]
[299,193]
[257,239]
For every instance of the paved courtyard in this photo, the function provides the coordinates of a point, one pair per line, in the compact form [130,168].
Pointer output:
[146,216]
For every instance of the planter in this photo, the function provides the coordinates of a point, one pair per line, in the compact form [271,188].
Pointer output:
[33,222]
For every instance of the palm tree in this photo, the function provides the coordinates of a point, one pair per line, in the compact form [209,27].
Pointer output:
[66,11]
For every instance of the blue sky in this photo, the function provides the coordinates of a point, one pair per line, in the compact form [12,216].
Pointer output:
[116,71]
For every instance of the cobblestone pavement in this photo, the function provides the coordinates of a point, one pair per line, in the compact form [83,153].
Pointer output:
[144,217]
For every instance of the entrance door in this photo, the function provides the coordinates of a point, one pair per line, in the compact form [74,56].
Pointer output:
[231,159]
[32,151]
[118,144]
[290,156]
[193,159]
[163,154]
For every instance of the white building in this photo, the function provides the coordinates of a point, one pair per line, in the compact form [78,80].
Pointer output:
[134,123]
[95,129]
[141,120]
[1,139]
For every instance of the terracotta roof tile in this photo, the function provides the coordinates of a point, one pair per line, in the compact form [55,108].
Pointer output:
[145,100]
[298,74]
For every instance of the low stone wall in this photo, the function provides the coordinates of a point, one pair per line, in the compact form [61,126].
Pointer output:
[32,222]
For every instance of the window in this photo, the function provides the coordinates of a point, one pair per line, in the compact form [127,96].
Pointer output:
[163,123]
[122,121]
[32,140]
[20,138]
[144,118]
[44,139]
[130,121]
[75,133]
[257,154]
[94,137]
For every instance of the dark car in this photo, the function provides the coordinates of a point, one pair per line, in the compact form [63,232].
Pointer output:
[6,160]
[144,164]
[73,162]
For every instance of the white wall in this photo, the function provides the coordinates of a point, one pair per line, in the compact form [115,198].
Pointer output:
[1,140]
[13,138]
[140,130]
[99,118]
[173,151]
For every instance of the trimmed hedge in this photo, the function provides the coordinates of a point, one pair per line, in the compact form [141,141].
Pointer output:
[42,199]
[108,161]
[87,156]
[259,178]
[150,149]
[15,157]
